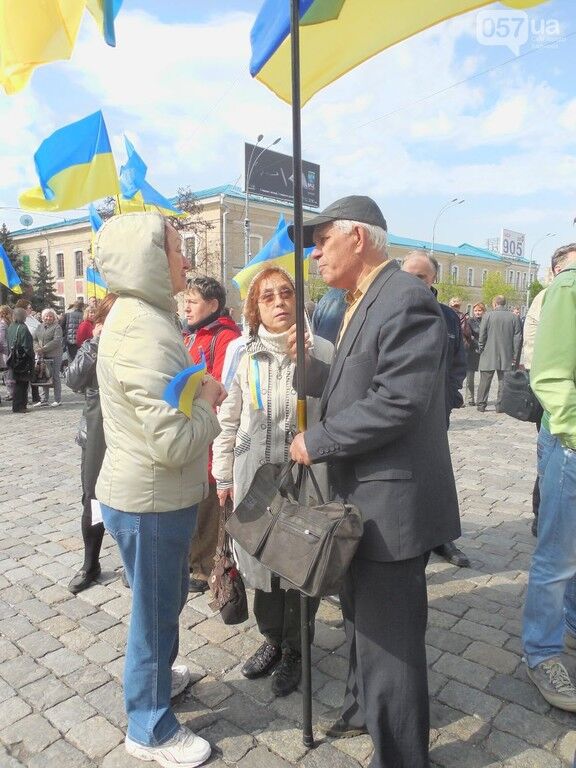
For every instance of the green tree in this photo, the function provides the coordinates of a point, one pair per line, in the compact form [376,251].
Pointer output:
[316,288]
[535,288]
[496,285]
[15,257]
[44,294]
[448,287]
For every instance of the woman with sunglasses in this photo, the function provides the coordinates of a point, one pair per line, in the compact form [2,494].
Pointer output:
[258,421]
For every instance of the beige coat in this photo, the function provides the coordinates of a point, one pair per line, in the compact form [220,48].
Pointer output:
[156,458]
[251,438]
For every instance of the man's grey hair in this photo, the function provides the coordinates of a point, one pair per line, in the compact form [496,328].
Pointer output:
[499,301]
[377,236]
[420,253]
[560,256]
[19,315]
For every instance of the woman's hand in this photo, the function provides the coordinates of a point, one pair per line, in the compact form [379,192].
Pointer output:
[212,391]
[97,330]
[292,344]
[225,494]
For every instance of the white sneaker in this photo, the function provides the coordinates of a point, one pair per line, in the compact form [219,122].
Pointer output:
[180,679]
[184,750]
[38,404]
[56,404]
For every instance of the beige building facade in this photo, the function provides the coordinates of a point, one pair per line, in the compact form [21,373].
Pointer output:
[218,248]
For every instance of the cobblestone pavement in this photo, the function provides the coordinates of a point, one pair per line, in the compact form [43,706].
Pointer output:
[61,656]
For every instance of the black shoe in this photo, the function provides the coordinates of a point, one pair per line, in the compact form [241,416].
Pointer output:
[198,585]
[481,408]
[471,402]
[332,724]
[261,662]
[452,554]
[83,579]
[287,674]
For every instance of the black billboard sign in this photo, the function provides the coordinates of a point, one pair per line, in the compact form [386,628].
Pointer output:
[271,176]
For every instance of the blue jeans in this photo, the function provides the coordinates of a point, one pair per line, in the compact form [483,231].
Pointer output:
[551,596]
[154,549]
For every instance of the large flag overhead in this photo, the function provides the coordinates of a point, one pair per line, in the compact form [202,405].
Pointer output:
[95,284]
[8,275]
[337,35]
[278,252]
[35,32]
[75,166]
[137,194]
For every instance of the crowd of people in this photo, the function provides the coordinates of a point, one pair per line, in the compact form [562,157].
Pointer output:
[386,364]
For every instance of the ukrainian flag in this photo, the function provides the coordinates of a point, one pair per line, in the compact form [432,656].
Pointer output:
[137,194]
[34,33]
[75,166]
[180,392]
[95,285]
[278,252]
[337,35]
[104,12]
[8,275]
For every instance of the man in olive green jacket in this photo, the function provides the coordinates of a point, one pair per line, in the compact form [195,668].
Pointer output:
[155,471]
[550,610]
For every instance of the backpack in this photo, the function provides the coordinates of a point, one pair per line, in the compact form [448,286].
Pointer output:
[19,361]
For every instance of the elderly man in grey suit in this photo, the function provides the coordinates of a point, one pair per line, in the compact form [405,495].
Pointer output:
[500,342]
[383,435]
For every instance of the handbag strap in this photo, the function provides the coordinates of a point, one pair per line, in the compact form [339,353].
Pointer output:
[303,471]
[223,539]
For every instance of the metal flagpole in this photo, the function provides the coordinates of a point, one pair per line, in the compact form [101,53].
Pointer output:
[307,734]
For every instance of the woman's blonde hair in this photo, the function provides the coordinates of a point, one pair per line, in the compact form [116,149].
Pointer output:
[251,311]
[6,313]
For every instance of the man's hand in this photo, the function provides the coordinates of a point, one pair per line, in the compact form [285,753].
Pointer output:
[292,344]
[211,391]
[298,450]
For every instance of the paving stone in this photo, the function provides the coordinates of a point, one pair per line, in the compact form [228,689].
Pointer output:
[518,754]
[285,739]
[566,747]
[12,710]
[63,662]
[69,713]
[245,713]
[210,691]
[450,753]
[359,748]
[79,639]
[260,757]
[469,700]
[29,736]
[214,659]
[60,755]
[119,758]
[518,691]
[16,627]
[58,626]
[228,740]
[101,653]
[46,693]
[96,736]
[527,725]
[21,670]
[39,644]
[446,640]
[465,671]
[215,631]
[76,609]
[108,700]
[87,679]
[98,622]
[494,658]
[7,650]
[327,755]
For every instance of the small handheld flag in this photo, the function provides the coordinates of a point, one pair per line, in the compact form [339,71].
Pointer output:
[8,275]
[137,194]
[180,392]
[75,166]
[278,252]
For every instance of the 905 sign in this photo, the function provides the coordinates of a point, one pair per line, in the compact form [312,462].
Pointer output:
[512,244]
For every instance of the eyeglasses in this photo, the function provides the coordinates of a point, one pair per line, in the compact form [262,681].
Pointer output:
[285,293]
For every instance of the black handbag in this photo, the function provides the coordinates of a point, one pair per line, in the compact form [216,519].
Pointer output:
[309,545]
[225,582]
[518,400]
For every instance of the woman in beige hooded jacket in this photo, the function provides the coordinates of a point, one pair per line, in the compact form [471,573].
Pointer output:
[155,470]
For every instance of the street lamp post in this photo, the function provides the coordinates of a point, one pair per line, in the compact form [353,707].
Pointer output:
[532,262]
[449,204]
[252,161]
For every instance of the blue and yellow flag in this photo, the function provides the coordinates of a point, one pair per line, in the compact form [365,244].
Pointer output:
[75,166]
[8,275]
[137,194]
[104,12]
[95,285]
[95,218]
[337,35]
[278,252]
[180,392]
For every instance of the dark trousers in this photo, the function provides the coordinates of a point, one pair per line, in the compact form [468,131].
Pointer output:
[35,392]
[484,387]
[205,538]
[19,396]
[90,465]
[470,385]
[72,349]
[385,610]
[278,616]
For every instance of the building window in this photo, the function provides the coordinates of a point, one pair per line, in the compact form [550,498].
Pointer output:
[79,264]
[511,277]
[455,273]
[524,277]
[484,276]
[470,276]
[190,249]
[26,265]
[59,265]
[439,273]
[255,244]
[517,280]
